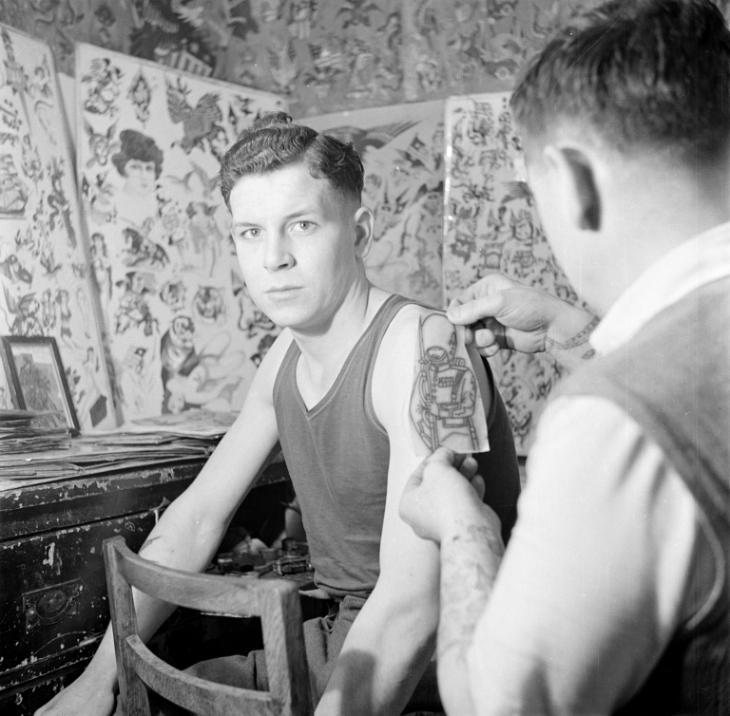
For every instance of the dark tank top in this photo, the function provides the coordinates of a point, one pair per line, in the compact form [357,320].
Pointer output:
[338,453]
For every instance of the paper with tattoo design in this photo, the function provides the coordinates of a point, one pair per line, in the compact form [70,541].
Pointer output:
[402,150]
[446,409]
[182,329]
[491,224]
[44,273]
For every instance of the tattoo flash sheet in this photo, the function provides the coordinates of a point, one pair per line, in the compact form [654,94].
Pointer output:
[46,288]
[182,329]
[491,225]
[402,150]
[446,408]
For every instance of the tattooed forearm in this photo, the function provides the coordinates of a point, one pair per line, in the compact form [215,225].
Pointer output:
[446,405]
[469,564]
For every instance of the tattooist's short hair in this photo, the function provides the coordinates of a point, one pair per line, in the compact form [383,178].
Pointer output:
[651,74]
[274,141]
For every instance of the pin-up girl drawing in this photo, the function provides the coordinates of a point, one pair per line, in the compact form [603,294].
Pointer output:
[139,162]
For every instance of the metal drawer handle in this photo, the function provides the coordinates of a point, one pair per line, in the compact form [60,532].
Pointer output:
[51,604]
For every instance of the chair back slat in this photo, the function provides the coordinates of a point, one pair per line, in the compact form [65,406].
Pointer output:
[194,693]
[204,592]
[275,601]
[286,660]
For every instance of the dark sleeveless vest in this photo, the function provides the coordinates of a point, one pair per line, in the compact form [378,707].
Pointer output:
[674,380]
[337,455]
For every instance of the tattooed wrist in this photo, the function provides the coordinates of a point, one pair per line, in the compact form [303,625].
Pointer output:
[574,341]
[477,532]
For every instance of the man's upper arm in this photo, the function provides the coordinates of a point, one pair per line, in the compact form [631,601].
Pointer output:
[448,409]
[449,388]
[397,624]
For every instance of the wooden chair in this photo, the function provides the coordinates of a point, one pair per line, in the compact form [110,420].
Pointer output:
[275,601]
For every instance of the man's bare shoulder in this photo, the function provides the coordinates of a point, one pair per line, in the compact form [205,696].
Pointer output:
[403,329]
[394,360]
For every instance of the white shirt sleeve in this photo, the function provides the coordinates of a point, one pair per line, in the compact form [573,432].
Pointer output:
[596,576]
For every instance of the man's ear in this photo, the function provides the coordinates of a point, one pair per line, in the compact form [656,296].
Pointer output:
[577,187]
[364,223]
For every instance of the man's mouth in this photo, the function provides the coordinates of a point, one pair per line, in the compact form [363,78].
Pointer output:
[281,290]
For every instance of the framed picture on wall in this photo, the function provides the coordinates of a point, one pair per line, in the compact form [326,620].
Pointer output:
[9,388]
[37,373]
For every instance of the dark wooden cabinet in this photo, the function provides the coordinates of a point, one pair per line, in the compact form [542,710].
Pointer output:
[53,606]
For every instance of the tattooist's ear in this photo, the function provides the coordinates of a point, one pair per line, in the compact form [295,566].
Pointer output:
[364,225]
[577,188]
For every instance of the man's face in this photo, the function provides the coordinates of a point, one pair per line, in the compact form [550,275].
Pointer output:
[295,242]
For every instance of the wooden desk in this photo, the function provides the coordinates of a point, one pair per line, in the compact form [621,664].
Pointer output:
[53,606]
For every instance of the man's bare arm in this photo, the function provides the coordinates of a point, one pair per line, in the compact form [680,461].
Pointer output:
[395,633]
[442,506]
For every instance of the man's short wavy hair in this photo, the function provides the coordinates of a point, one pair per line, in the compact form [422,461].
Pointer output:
[651,74]
[274,141]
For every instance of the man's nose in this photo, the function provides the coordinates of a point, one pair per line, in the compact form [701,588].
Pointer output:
[277,253]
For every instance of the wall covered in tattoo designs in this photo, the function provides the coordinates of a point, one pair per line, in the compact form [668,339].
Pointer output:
[182,330]
[471,46]
[319,54]
[46,288]
[322,55]
[491,225]
[402,152]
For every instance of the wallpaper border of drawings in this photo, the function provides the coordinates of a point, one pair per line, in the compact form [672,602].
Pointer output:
[43,262]
[321,55]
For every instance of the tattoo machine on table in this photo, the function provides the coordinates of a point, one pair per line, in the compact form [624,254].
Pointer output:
[291,558]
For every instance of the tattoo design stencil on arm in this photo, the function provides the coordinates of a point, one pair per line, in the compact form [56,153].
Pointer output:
[446,406]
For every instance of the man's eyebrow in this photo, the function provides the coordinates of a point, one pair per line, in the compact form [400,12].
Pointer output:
[302,212]
[297,213]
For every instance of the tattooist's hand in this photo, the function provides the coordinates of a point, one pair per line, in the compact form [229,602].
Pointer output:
[501,313]
[443,490]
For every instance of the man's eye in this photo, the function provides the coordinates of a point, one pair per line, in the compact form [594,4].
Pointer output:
[248,234]
[303,227]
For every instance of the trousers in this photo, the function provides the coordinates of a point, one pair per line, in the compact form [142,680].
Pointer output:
[323,640]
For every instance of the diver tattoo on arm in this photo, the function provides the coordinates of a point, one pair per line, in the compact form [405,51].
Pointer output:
[446,407]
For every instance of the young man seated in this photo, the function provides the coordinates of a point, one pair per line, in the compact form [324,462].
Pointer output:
[358,388]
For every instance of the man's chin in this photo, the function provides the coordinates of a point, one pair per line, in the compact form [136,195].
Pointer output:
[285,316]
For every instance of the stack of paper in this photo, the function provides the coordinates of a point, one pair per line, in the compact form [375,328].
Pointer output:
[25,430]
[144,443]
